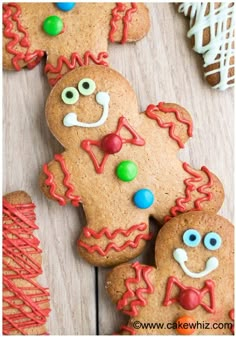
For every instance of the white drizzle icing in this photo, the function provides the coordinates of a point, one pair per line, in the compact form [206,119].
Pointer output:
[220,47]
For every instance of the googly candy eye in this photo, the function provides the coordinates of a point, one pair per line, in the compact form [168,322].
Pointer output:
[212,241]
[70,95]
[86,86]
[191,238]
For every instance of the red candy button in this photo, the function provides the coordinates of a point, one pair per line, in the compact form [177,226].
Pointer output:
[111,143]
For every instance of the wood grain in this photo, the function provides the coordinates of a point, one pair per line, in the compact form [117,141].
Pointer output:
[161,67]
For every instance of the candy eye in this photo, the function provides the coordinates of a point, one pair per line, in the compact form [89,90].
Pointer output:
[70,95]
[86,86]
[212,241]
[191,238]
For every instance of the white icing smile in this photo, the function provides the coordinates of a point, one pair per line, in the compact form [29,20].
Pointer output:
[103,99]
[180,255]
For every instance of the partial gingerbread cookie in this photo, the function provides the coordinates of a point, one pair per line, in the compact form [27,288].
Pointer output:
[191,291]
[212,30]
[119,163]
[71,34]
[25,301]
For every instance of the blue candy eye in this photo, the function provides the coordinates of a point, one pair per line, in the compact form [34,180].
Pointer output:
[191,238]
[212,241]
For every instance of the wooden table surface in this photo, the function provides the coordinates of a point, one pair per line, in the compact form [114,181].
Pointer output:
[161,67]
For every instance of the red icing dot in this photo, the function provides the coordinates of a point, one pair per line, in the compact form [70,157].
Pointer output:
[189,299]
[111,143]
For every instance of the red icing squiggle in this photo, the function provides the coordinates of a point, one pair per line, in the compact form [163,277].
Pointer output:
[190,187]
[122,123]
[74,61]
[25,306]
[11,15]
[141,274]
[50,181]
[189,297]
[128,329]
[150,112]
[127,18]
[231,316]
[105,233]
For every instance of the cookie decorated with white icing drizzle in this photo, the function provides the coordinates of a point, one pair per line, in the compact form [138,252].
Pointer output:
[212,29]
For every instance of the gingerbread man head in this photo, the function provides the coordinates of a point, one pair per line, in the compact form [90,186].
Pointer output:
[70,34]
[191,290]
[119,163]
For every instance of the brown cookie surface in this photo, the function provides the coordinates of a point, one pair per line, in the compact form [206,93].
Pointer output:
[193,282]
[25,301]
[71,34]
[120,164]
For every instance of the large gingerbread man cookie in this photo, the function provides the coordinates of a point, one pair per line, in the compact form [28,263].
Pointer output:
[212,30]
[121,165]
[25,302]
[71,34]
[191,291]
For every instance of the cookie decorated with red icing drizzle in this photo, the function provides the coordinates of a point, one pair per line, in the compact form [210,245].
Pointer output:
[56,33]
[194,256]
[120,165]
[25,301]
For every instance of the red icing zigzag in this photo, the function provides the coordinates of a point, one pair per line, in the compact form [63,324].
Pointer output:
[22,305]
[231,316]
[128,329]
[74,61]
[127,18]
[150,113]
[9,17]
[75,199]
[88,232]
[189,183]
[141,274]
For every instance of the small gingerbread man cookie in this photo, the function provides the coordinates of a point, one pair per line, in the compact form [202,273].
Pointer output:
[212,30]
[191,291]
[71,34]
[121,165]
[25,301]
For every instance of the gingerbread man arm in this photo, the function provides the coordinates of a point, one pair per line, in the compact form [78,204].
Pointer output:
[130,22]
[55,182]
[174,118]
[129,285]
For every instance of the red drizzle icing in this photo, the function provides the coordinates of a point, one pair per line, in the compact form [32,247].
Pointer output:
[50,181]
[141,274]
[127,18]
[170,125]
[22,305]
[74,61]
[12,12]
[190,298]
[181,202]
[231,316]
[128,329]
[135,140]
[105,232]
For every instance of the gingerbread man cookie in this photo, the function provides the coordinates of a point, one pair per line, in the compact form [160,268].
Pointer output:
[212,30]
[25,301]
[71,34]
[191,291]
[121,165]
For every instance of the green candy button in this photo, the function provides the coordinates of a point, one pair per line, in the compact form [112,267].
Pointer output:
[53,25]
[127,170]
